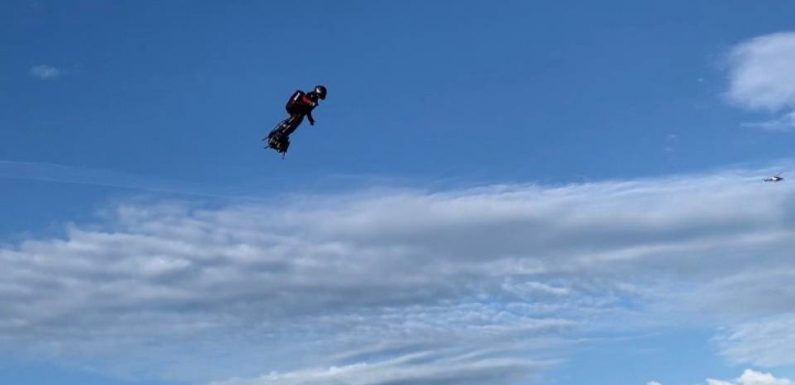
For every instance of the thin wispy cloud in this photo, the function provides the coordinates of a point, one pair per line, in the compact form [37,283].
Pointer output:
[46,72]
[58,173]
[783,123]
[450,370]
[405,286]
[767,341]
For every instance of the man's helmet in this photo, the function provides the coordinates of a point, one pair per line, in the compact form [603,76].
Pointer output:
[320,91]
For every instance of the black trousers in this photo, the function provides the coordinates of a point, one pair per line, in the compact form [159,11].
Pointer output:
[297,113]
[292,123]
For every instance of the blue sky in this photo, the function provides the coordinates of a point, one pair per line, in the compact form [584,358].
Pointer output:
[494,193]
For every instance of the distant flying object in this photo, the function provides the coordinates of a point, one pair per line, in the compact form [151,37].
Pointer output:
[299,106]
[775,178]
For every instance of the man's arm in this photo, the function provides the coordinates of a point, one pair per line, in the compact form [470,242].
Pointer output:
[311,118]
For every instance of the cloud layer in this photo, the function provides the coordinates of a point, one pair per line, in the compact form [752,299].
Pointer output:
[484,285]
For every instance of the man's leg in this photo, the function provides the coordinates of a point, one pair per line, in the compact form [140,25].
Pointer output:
[292,123]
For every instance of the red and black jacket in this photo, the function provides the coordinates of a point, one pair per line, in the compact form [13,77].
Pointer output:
[300,103]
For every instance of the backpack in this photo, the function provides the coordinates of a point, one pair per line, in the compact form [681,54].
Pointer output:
[293,102]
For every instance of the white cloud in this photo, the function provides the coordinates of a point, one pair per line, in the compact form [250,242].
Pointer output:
[761,72]
[749,377]
[761,78]
[489,284]
[45,72]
